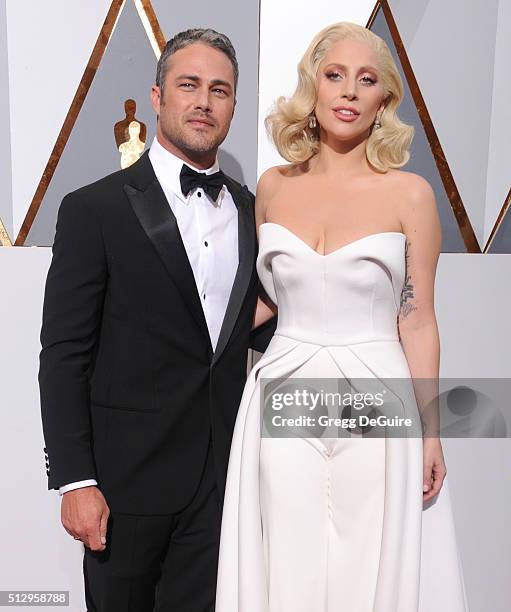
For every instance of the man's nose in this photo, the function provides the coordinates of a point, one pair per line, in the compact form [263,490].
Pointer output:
[202,99]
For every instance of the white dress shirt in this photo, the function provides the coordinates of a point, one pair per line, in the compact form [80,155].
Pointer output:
[209,231]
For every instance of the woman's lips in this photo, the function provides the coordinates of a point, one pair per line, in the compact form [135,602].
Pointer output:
[342,117]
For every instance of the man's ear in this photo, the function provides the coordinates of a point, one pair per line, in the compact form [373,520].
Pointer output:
[156,98]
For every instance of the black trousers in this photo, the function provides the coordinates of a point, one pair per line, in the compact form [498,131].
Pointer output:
[165,563]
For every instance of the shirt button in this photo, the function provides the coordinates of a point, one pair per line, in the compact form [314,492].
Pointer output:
[199,194]
[204,296]
[205,243]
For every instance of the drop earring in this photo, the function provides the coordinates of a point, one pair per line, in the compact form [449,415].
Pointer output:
[377,124]
[312,121]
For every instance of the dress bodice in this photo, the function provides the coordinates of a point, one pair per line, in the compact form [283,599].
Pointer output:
[348,296]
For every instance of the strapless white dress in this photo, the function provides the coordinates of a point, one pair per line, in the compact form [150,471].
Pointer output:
[332,525]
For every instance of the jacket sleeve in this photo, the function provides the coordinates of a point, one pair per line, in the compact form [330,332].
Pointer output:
[72,313]
[260,336]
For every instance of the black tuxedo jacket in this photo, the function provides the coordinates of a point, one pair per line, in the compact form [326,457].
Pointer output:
[130,386]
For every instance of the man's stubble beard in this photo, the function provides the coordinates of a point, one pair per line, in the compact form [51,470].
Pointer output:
[198,144]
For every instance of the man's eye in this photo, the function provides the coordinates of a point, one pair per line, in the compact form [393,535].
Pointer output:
[222,91]
[186,85]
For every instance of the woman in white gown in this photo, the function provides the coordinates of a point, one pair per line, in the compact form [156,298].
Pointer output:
[348,248]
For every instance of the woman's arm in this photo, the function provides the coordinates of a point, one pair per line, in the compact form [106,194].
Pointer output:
[417,323]
[265,308]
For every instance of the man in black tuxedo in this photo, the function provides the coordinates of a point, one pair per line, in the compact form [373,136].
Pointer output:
[148,311]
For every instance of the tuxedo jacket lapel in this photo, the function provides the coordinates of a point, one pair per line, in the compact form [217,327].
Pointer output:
[153,211]
[150,205]
[246,254]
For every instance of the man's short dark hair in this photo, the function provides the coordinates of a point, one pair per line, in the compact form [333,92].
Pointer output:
[207,36]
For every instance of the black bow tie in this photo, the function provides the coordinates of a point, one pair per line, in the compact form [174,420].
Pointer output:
[211,183]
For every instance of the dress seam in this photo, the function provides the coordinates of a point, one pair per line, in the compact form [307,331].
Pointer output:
[335,344]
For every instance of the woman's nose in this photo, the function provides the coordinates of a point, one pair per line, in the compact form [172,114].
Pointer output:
[349,89]
[349,92]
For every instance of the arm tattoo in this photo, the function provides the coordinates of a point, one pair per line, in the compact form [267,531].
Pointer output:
[406,307]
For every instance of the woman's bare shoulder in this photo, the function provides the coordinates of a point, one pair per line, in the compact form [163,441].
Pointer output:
[274,176]
[269,185]
[418,209]
[414,185]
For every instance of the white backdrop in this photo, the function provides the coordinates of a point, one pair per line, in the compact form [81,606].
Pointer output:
[36,552]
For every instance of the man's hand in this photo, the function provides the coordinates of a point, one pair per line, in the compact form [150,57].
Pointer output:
[84,514]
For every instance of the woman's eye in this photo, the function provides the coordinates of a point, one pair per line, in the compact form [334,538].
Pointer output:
[335,76]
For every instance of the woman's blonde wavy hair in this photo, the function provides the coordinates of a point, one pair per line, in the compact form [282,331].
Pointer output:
[288,124]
